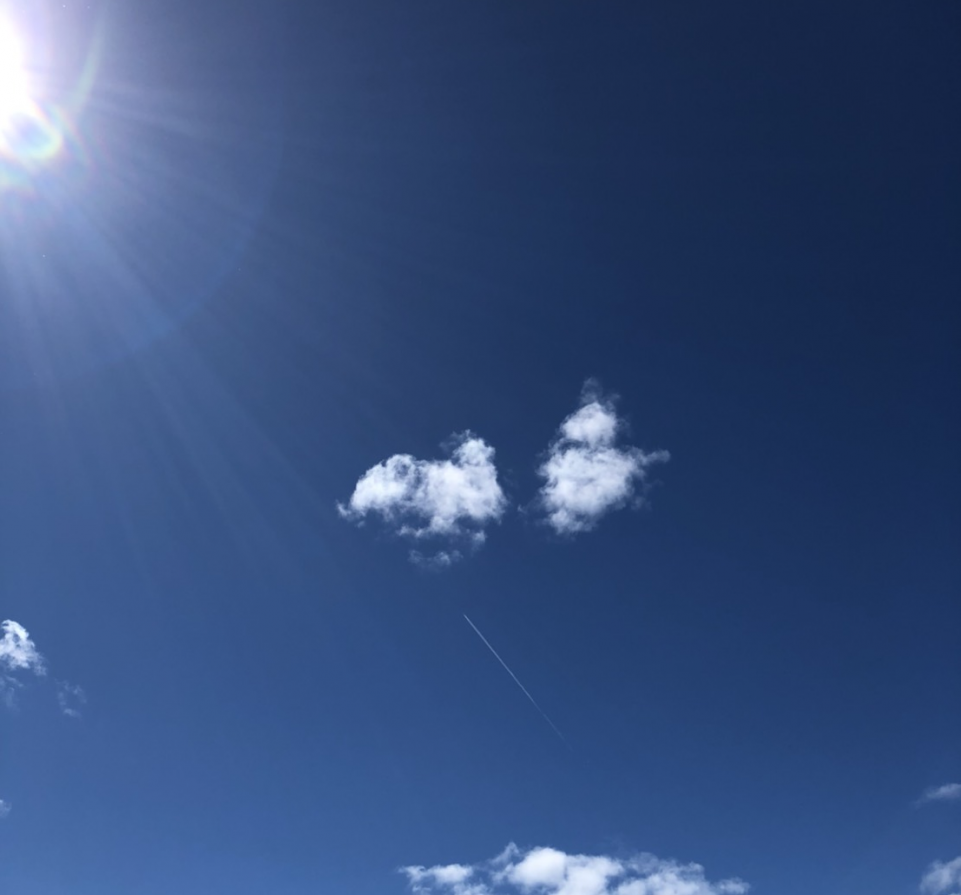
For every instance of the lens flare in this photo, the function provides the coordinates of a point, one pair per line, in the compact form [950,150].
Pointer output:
[34,129]
[133,172]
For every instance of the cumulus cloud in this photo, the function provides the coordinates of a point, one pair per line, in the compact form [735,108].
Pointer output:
[17,651]
[586,475]
[70,698]
[949,792]
[5,809]
[548,871]
[943,879]
[453,499]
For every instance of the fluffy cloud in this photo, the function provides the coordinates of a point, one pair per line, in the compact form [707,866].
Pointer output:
[17,651]
[548,871]
[943,879]
[949,792]
[5,809]
[453,499]
[585,474]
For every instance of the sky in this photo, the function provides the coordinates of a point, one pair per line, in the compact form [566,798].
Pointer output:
[479,449]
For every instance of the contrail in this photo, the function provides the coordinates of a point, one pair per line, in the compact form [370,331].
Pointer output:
[516,681]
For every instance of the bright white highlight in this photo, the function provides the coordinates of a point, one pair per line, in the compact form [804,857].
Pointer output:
[586,475]
[5,809]
[548,871]
[454,499]
[14,89]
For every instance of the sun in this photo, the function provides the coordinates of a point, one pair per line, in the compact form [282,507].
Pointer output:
[14,89]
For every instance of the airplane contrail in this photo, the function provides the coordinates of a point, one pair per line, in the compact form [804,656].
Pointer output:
[516,681]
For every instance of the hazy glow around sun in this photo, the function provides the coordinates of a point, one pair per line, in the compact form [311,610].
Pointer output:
[14,91]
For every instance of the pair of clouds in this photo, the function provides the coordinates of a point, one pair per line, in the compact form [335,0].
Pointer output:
[585,475]
[548,871]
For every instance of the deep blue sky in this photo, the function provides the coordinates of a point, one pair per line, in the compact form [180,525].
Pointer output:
[305,236]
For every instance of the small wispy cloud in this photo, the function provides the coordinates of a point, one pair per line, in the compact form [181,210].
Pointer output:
[947,792]
[549,871]
[9,686]
[442,559]
[943,878]
[586,475]
[17,651]
[70,698]
[5,809]
[452,499]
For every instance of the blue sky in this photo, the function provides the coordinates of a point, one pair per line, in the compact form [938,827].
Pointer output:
[625,336]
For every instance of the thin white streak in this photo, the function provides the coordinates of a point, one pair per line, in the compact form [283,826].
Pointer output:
[516,681]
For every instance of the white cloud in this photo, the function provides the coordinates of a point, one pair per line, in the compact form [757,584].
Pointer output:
[949,792]
[5,809]
[71,698]
[943,878]
[585,474]
[548,871]
[453,499]
[17,651]
[423,879]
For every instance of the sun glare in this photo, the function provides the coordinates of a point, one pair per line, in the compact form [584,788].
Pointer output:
[14,93]
[33,126]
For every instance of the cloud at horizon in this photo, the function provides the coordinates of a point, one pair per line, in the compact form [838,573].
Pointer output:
[549,871]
